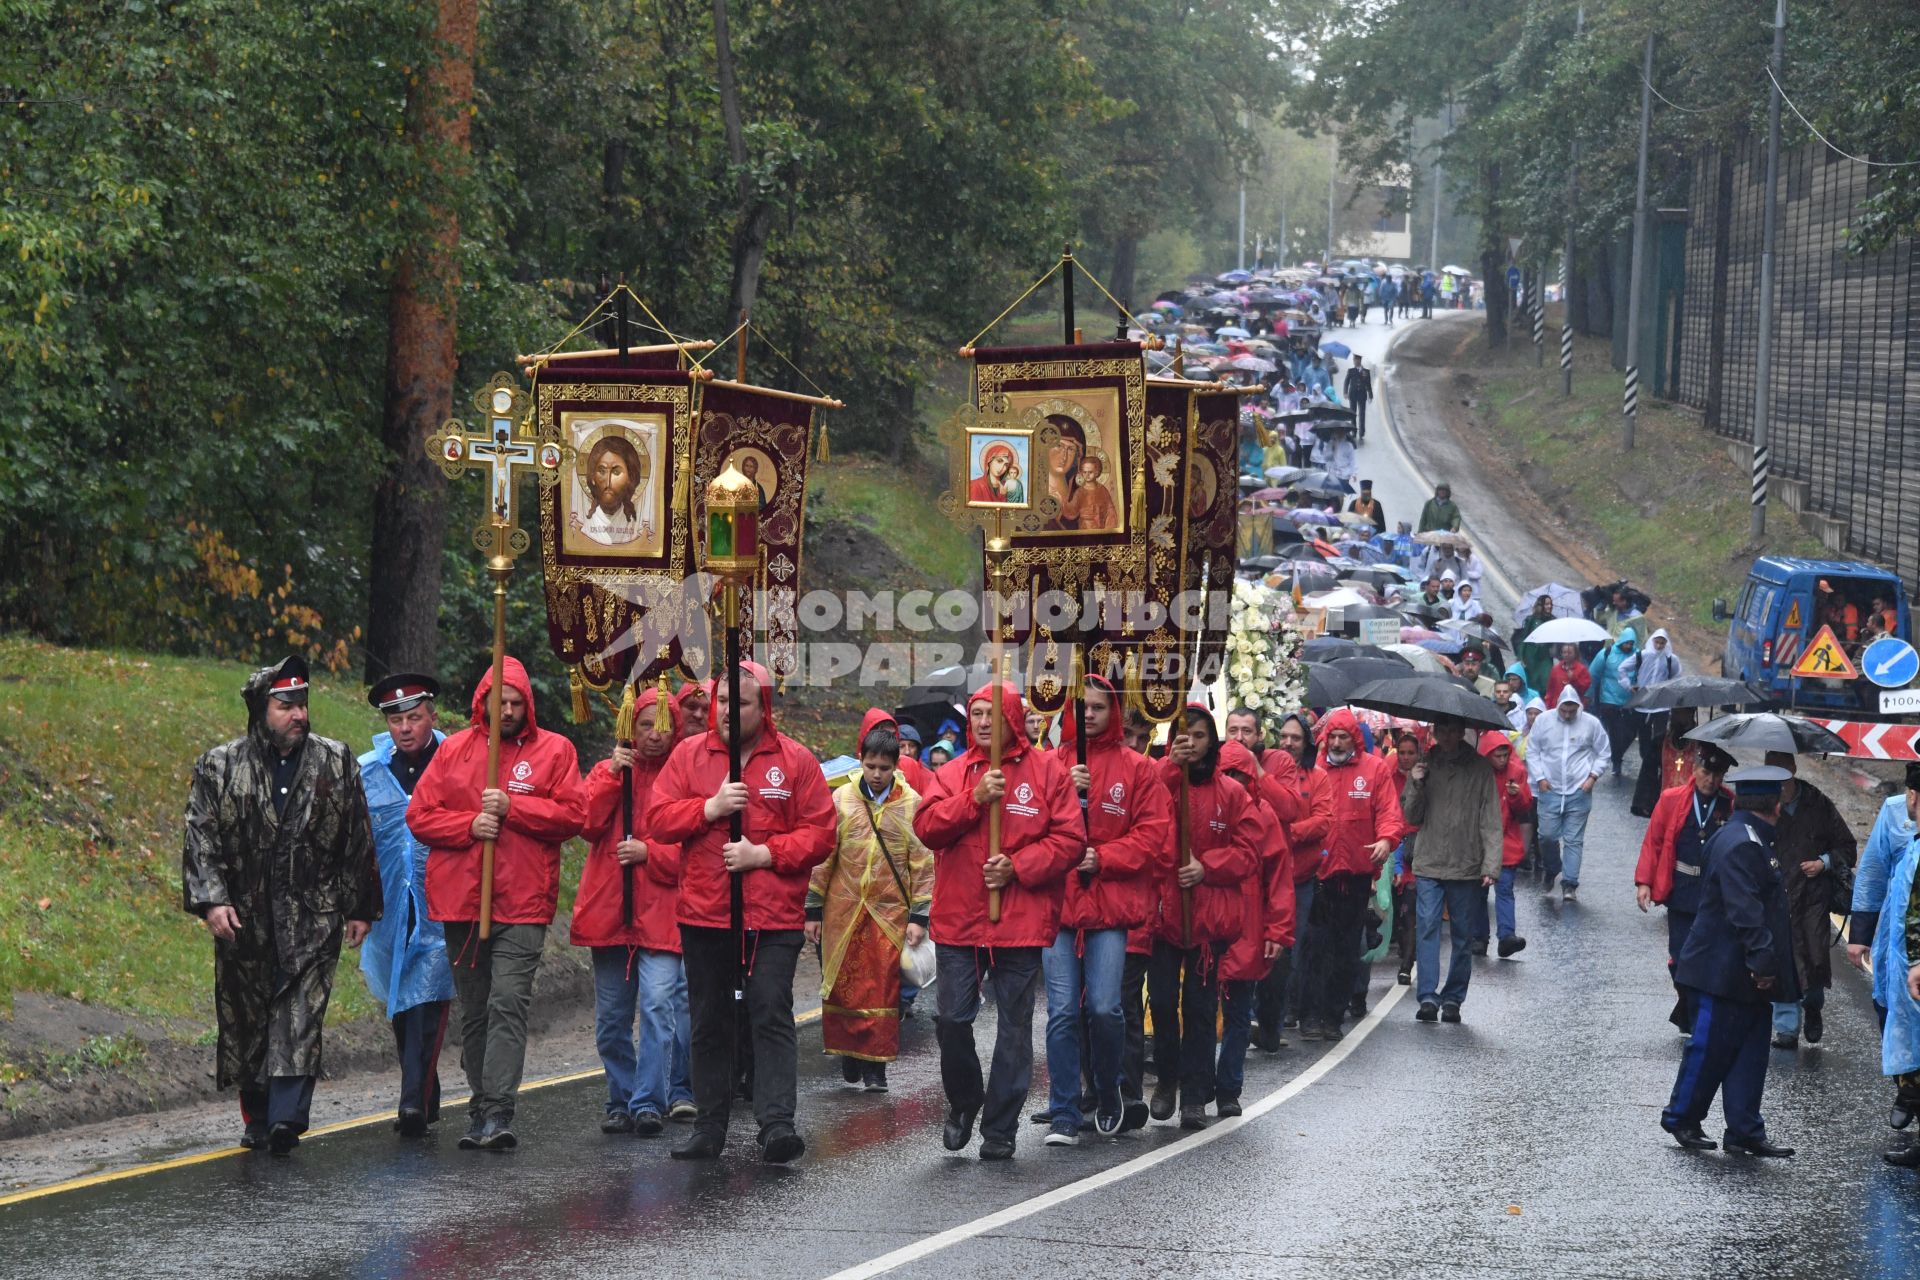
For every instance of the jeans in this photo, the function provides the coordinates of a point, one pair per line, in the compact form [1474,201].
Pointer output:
[1333,948]
[494,981]
[1786,1017]
[714,1031]
[1133,1059]
[653,985]
[1457,897]
[1230,1075]
[1098,973]
[1563,818]
[1182,987]
[1503,918]
[1016,980]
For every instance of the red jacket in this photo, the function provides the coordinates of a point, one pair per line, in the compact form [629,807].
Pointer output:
[597,920]
[540,774]
[1657,851]
[1563,675]
[1221,831]
[1513,808]
[916,774]
[1307,834]
[1130,822]
[789,810]
[1366,807]
[1269,895]
[1040,831]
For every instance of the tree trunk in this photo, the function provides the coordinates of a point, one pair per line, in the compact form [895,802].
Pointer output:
[1493,259]
[1126,257]
[410,503]
[756,212]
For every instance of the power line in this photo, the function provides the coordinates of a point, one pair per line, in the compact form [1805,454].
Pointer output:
[1877,164]
[1692,111]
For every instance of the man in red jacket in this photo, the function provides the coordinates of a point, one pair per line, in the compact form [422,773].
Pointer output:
[626,912]
[1267,928]
[1041,839]
[537,808]
[1183,977]
[1366,826]
[788,830]
[1127,824]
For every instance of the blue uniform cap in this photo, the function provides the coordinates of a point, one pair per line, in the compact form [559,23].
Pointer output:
[1758,780]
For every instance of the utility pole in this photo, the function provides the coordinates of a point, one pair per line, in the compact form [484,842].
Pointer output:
[1763,378]
[1433,240]
[1240,238]
[1333,171]
[1566,260]
[1280,254]
[1630,411]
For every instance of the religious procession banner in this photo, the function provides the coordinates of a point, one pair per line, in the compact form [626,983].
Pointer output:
[1069,462]
[616,531]
[764,433]
[1210,555]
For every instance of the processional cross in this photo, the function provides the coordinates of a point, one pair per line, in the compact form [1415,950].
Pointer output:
[508,451]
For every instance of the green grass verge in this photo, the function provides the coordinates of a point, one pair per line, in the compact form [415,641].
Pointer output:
[1672,515]
[95,752]
[897,506]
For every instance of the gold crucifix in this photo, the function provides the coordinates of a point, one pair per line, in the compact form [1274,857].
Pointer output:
[508,450]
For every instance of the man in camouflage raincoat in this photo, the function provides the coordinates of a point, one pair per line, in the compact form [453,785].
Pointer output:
[279,865]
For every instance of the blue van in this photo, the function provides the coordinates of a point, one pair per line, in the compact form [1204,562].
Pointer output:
[1781,610]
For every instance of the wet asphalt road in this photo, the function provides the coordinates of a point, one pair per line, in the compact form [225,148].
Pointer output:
[1522,1143]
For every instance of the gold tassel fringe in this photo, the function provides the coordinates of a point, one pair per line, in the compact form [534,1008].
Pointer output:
[662,713]
[577,686]
[623,719]
[820,455]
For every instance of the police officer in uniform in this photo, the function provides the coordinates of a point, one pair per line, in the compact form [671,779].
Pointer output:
[1738,960]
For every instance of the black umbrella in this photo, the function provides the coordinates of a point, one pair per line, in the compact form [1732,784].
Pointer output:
[1474,631]
[1359,671]
[942,696]
[1769,731]
[1424,612]
[1315,413]
[1302,551]
[1319,482]
[1354,612]
[1329,430]
[1696,691]
[1429,698]
[1378,579]
[1334,648]
[1265,564]
[1308,575]
[1327,686]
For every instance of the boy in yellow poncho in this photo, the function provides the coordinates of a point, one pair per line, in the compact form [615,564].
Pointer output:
[867,901]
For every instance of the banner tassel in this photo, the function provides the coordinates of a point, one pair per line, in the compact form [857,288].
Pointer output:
[1138,515]
[577,685]
[820,455]
[662,713]
[623,719]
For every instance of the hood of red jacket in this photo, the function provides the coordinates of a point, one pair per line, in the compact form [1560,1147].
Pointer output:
[1341,718]
[514,676]
[717,724]
[1116,720]
[875,717]
[692,690]
[1235,758]
[1013,710]
[1491,740]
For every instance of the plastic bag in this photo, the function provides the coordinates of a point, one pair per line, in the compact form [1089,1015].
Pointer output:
[917,964]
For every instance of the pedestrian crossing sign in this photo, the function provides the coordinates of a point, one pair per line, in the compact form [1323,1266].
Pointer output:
[1793,617]
[1825,659]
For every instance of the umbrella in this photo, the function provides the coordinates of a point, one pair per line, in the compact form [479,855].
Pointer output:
[1327,430]
[1339,350]
[1359,671]
[941,696]
[1326,686]
[1359,611]
[1308,515]
[1362,552]
[1566,602]
[1231,331]
[1473,631]
[1262,563]
[1420,659]
[1234,276]
[1441,538]
[1253,364]
[1308,575]
[1167,304]
[1336,599]
[1425,612]
[1769,731]
[1335,649]
[1379,578]
[1567,631]
[1320,482]
[1456,271]
[1302,551]
[1426,698]
[1696,691]
[1353,519]
[1449,646]
[1280,475]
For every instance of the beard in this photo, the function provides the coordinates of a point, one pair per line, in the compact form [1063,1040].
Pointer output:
[286,740]
[615,500]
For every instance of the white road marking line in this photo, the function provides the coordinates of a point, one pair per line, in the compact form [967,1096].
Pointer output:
[1139,1164]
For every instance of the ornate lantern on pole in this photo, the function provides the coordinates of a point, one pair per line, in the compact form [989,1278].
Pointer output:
[733,558]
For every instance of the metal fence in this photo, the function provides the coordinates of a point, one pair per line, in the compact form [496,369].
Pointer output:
[1844,371]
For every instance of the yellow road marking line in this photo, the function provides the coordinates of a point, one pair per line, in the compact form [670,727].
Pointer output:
[337,1126]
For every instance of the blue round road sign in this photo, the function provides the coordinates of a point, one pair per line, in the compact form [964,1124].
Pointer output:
[1513,279]
[1890,663]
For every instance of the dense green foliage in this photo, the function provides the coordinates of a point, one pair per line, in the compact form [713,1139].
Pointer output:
[202,203]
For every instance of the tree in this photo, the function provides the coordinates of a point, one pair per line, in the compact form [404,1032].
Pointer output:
[409,505]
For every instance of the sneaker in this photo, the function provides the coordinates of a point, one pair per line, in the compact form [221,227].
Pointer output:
[1108,1113]
[470,1141]
[496,1135]
[875,1077]
[683,1112]
[1512,945]
[1404,977]
[1133,1115]
[617,1122]
[648,1124]
[1785,1040]
[1427,1012]
[1569,893]
[1063,1134]
[1449,1013]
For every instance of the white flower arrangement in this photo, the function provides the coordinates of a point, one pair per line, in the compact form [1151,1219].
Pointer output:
[1263,671]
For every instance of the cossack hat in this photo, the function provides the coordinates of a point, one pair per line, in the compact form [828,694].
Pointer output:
[289,681]
[402,691]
